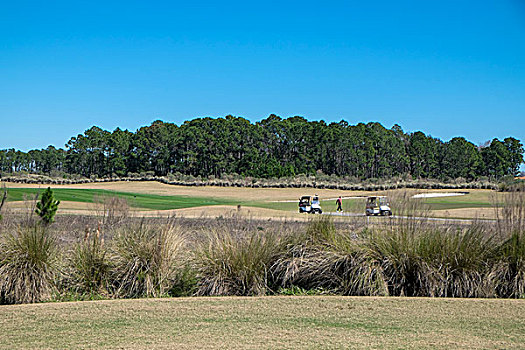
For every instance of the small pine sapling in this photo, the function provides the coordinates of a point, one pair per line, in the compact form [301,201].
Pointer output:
[47,207]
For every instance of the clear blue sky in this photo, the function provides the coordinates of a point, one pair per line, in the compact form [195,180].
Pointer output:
[448,68]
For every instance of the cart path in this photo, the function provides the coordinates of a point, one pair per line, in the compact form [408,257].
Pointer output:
[420,218]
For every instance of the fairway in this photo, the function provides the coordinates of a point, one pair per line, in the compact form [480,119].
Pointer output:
[294,322]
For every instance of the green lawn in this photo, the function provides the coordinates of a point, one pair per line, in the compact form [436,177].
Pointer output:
[278,322]
[474,199]
[147,201]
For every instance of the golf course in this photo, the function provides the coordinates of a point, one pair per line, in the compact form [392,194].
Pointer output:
[154,198]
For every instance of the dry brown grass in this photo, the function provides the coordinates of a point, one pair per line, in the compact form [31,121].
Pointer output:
[267,323]
[465,213]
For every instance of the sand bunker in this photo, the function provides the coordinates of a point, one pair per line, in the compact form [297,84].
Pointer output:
[440,194]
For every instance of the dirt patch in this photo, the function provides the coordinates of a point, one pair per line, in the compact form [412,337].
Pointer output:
[214,211]
[65,205]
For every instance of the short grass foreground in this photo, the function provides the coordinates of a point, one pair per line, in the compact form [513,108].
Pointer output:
[267,323]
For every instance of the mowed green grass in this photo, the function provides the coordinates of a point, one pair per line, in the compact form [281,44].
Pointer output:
[146,201]
[473,199]
[295,322]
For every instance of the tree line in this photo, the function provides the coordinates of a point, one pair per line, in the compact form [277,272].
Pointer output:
[272,147]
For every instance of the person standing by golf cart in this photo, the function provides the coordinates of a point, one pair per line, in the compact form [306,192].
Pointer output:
[339,203]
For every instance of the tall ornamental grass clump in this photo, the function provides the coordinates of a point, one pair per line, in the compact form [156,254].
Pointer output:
[399,261]
[229,264]
[462,259]
[323,259]
[146,259]
[508,272]
[403,269]
[89,266]
[28,265]
[510,211]
[435,262]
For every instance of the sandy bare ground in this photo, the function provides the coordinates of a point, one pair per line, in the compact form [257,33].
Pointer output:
[64,205]
[211,211]
[465,213]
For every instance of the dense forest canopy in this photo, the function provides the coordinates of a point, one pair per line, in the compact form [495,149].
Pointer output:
[272,147]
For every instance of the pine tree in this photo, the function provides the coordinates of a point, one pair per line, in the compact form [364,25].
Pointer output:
[47,207]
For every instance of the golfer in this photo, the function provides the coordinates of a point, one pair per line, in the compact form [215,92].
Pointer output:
[339,203]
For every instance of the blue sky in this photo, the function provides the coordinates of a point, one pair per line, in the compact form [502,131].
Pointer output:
[448,68]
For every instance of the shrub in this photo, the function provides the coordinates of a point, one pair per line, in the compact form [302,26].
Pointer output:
[146,259]
[28,265]
[185,283]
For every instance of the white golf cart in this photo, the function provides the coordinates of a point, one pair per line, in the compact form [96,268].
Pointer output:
[378,205]
[310,205]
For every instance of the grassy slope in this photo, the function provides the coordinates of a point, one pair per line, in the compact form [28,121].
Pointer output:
[148,201]
[267,323]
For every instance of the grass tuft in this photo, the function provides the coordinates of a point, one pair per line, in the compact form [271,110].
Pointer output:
[231,265]
[89,266]
[508,273]
[28,265]
[146,259]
